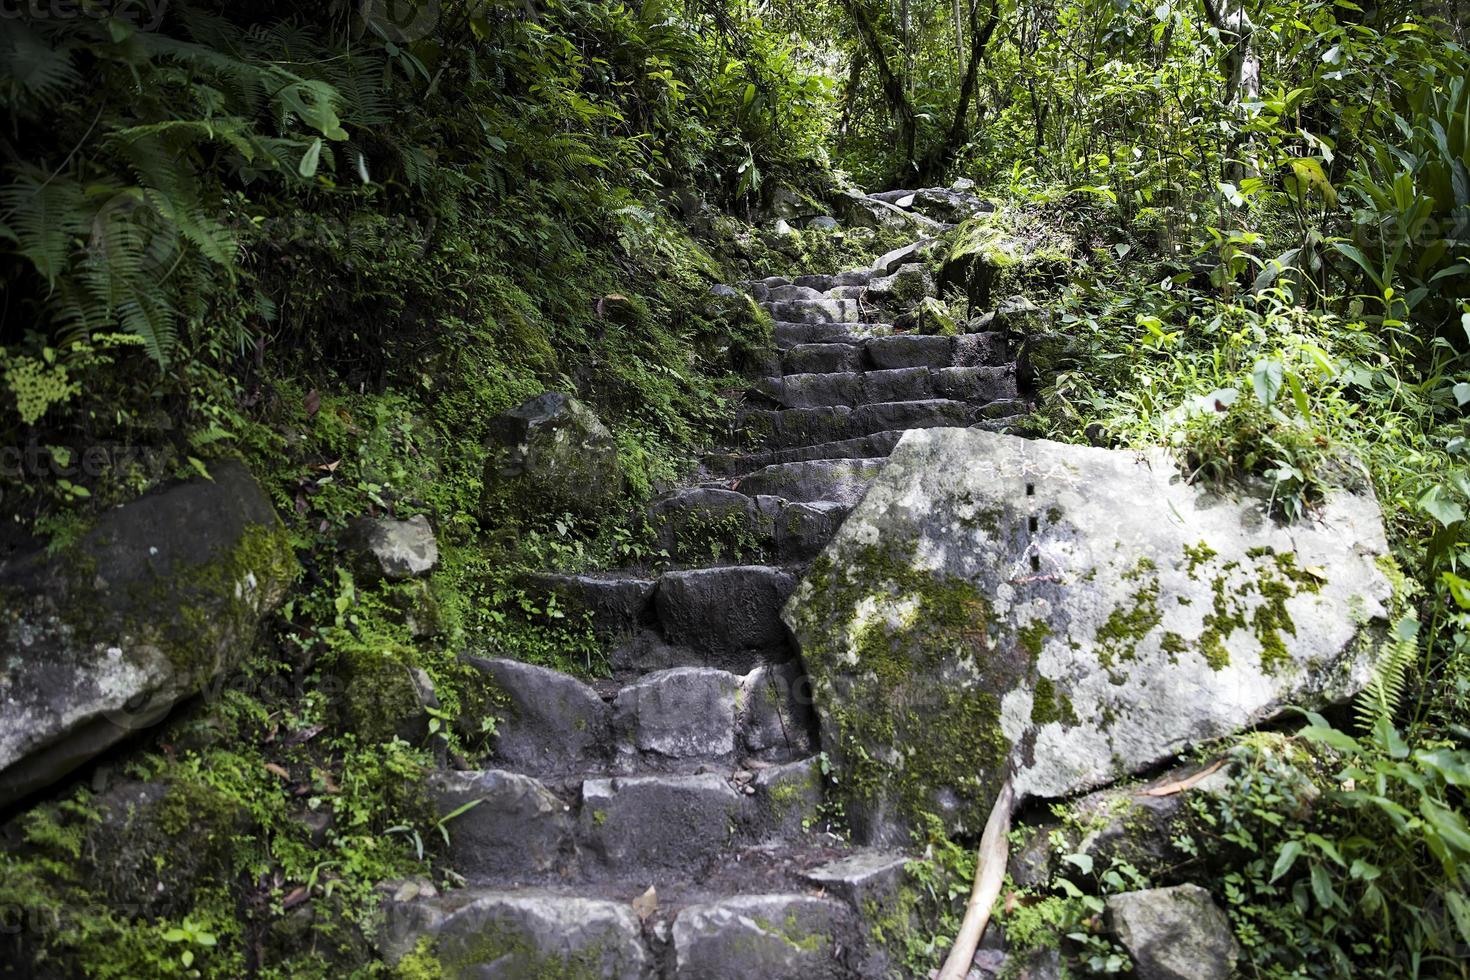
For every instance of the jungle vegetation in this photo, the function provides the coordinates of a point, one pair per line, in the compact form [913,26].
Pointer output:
[335,239]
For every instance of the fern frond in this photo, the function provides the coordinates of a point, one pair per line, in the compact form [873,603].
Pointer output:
[1380,700]
[33,70]
[45,218]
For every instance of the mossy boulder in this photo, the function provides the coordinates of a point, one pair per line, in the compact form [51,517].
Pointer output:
[548,455]
[1067,615]
[1000,252]
[164,595]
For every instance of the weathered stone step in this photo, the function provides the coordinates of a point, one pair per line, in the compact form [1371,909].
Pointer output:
[889,352]
[854,388]
[822,358]
[807,426]
[511,827]
[874,446]
[787,333]
[548,723]
[814,310]
[727,617]
[716,524]
[551,931]
[843,481]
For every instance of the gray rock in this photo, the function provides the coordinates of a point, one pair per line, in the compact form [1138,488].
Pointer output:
[801,529]
[159,600]
[680,713]
[546,722]
[521,934]
[732,614]
[823,222]
[997,602]
[394,550]
[550,454]
[616,605]
[515,827]
[783,227]
[702,522]
[776,717]
[904,287]
[788,799]
[948,205]
[841,481]
[869,881]
[722,291]
[780,937]
[1174,933]
[888,262]
[658,822]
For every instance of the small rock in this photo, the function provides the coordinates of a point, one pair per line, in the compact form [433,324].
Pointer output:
[548,455]
[866,880]
[1174,933]
[788,798]
[390,549]
[823,223]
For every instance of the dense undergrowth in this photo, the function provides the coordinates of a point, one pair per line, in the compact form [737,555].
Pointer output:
[336,247]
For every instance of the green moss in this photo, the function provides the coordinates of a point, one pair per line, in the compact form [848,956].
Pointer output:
[919,712]
[1049,705]
[1126,626]
[1033,636]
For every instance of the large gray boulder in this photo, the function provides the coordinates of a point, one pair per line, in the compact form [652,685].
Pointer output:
[548,455]
[1069,615]
[160,598]
[1174,933]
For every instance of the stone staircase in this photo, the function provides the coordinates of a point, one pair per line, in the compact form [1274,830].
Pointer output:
[669,822]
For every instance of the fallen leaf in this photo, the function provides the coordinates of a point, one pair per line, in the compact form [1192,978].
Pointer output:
[646,904]
[279,771]
[312,402]
[297,896]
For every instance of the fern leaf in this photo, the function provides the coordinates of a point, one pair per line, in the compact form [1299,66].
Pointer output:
[1380,700]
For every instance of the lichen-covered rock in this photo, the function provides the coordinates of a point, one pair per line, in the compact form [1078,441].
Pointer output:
[908,284]
[1070,615]
[523,934]
[161,597]
[776,936]
[1174,933]
[549,455]
[394,550]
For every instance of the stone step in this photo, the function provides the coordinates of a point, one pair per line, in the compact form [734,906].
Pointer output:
[874,446]
[716,524]
[918,350]
[854,388]
[550,724]
[727,616]
[510,827]
[843,481]
[893,351]
[786,333]
[808,426]
[822,358]
[683,932]
[846,388]
[814,310]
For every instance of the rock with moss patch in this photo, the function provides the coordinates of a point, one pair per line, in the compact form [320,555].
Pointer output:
[548,455]
[1174,933]
[1069,614]
[764,936]
[381,547]
[160,598]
